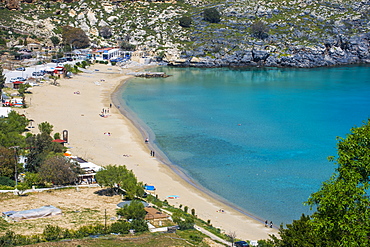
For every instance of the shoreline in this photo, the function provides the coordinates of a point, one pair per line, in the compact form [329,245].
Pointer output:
[128,136]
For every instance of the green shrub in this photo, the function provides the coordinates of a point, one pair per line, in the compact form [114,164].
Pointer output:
[185,21]
[212,15]
[188,223]
[121,227]
[139,225]
[259,30]
[7,181]
[52,233]
[84,64]
[5,187]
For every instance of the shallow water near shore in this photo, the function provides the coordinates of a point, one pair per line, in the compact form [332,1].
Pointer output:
[259,138]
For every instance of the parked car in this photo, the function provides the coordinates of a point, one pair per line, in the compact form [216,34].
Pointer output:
[17,79]
[241,244]
[33,84]
[21,69]
[39,73]
[21,78]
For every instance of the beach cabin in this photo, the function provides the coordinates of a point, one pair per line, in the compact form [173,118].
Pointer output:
[156,217]
[106,53]
[16,84]
[90,169]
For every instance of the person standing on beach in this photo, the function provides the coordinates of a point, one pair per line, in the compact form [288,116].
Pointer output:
[270,224]
[266,223]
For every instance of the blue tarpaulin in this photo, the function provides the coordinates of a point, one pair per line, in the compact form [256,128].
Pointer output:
[149,187]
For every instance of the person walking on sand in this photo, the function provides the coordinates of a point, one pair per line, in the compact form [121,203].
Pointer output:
[270,224]
[266,223]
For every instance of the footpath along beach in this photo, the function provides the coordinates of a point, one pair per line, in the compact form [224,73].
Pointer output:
[76,106]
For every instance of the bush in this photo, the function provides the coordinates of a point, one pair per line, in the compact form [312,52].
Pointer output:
[5,187]
[139,225]
[212,15]
[188,223]
[185,21]
[121,227]
[52,233]
[7,181]
[259,30]
[127,46]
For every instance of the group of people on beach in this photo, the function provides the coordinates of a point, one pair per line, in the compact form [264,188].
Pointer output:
[267,224]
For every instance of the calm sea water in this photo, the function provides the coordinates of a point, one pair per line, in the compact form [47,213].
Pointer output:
[259,138]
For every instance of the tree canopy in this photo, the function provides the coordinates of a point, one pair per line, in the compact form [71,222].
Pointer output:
[11,129]
[134,211]
[40,146]
[120,177]
[7,161]
[55,40]
[58,170]
[342,216]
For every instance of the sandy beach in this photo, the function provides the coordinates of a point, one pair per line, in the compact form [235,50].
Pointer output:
[78,113]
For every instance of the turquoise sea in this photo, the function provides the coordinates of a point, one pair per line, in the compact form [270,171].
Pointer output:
[258,138]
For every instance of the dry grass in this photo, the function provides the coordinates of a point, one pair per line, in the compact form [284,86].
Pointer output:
[79,208]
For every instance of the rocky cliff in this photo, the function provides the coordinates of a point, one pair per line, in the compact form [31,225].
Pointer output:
[296,33]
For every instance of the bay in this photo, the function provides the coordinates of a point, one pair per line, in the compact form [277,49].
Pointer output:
[258,138]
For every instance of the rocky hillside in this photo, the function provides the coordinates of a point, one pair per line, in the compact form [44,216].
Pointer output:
[297,33]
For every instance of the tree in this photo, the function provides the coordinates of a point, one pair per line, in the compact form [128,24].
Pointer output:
[55,78]
[7,162]
[232,236]
[259,30]
[119,177]
[22,90]
[212,15]
[126,46]
[40,146]
[59,170]
[75,37]
[110,176]
[185,21]
[299,233]
[11,129]
[342,216]
[2,80]
[132,211]
[32,179]
[45,128]
[105,32]
[55,40]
